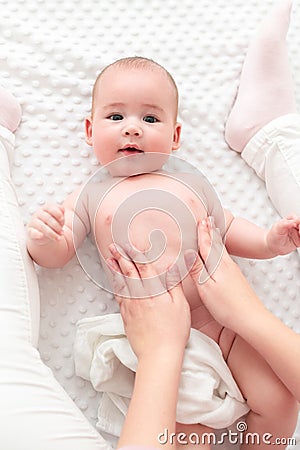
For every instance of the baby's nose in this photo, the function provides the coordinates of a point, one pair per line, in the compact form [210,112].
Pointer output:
[132,130]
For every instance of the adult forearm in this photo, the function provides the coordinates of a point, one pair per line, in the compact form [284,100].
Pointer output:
[153,405]
[231,300]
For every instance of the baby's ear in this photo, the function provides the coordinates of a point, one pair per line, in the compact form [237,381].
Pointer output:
[176,136]
[88,131]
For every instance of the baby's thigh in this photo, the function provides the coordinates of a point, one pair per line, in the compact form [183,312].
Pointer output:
[262,389]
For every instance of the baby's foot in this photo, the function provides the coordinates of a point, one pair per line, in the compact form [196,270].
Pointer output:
[10,110]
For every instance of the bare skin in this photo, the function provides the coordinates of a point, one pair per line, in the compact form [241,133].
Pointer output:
[229,298]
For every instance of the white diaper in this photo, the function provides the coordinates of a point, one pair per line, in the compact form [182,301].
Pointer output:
[208,393]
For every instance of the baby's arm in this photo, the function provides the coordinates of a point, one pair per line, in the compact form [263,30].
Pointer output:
[52,231]
[248,240]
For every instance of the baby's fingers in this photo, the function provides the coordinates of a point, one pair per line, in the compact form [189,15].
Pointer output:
[38,229]
[47,224]
[35,234]
[53,216]
[288,223]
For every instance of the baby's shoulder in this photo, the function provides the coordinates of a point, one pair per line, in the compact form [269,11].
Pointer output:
[205,192]
[96,189]
[197,182]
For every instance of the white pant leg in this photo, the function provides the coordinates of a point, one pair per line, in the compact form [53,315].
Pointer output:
[35,411]
[274,153]
[19,294]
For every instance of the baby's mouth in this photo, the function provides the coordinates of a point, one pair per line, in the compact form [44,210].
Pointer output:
[126,151]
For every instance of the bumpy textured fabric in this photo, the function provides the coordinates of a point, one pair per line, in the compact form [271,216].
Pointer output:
[50,54]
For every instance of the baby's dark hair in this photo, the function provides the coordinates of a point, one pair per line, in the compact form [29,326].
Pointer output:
[136,62]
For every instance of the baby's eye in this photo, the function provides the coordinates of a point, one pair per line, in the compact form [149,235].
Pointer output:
[150,119]
[115,117]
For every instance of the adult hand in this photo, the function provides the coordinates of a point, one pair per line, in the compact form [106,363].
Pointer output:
[230,299]
[157,323]
[152,322]
[221,285]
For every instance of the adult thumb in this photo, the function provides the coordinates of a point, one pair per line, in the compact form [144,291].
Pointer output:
[174,286]
[195,266]
[173,278]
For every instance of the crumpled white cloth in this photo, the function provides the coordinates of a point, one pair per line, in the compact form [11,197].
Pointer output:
[208,393]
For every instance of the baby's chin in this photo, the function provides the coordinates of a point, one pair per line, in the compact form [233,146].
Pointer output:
[137,164]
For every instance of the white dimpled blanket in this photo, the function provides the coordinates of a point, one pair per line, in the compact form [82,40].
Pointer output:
[50,54]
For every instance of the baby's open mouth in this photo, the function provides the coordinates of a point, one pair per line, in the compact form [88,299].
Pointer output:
[130,151]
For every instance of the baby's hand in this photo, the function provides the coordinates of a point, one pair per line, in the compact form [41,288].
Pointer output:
[46,224]
[284,236]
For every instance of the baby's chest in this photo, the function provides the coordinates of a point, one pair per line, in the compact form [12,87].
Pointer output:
[158,220]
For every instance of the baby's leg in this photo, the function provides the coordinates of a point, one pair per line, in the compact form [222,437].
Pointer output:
[35,412]
[193,436]
[273,409]
[266,88]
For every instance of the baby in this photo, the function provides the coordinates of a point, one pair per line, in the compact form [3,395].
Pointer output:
[133,129]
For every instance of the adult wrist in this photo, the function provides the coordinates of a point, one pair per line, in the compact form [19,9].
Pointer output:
[164,355]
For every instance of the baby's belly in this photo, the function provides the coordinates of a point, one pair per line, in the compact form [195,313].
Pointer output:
[203,321]
[160,234]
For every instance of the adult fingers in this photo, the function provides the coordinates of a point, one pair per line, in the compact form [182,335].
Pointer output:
[152,282]
[173,279]
[120,288]
[174,286]
[196,267]
[211,247]
[128,271]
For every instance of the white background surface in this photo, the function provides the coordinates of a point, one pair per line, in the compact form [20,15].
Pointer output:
[50,54]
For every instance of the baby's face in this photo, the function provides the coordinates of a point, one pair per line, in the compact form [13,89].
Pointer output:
[134,115]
